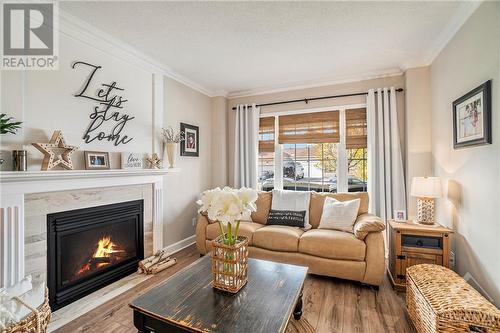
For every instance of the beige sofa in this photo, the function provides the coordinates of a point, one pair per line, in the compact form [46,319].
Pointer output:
[358,256]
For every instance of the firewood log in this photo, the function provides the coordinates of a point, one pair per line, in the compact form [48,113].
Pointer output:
[156,261]
[163,266]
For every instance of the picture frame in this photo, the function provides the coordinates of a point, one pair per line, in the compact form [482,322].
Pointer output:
[132,160]
[399,215]
[191,144]
[472,118]
[96,160]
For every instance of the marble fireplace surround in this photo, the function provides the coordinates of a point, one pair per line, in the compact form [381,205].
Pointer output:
[27,197]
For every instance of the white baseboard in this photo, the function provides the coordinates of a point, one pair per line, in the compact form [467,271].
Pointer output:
[182,244]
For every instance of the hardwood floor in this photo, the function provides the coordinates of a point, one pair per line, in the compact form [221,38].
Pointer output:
[330,305]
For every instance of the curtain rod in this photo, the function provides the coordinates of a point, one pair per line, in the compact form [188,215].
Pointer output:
[307,100]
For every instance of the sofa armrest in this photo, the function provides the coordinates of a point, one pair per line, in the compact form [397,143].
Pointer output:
[374,258]
[366,223]
[201,234]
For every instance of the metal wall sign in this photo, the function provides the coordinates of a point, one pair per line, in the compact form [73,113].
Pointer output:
[109,103]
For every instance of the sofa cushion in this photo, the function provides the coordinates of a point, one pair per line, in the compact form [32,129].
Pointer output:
[339,215]
[277,238]
[292,200]
[318,199]
[246,229]
[263,206]
[332,244]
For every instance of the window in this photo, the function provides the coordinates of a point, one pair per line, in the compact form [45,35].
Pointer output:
[311,152]
[309,167]
[356,142]
[266,153]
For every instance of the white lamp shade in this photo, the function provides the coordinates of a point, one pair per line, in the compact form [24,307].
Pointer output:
[426,187]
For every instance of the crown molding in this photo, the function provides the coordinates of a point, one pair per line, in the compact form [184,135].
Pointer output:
[82,31]
[467,8]
[315,84]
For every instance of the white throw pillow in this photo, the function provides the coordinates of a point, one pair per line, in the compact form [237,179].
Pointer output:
[292,200]
[339,215]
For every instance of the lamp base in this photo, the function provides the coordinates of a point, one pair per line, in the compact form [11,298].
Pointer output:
[425,210]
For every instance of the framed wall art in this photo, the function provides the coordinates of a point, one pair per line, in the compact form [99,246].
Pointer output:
[472,118]
[191,144]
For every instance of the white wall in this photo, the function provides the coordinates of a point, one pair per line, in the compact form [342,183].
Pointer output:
[183,104]
[219,142]
[418,128]
[44,102]
[471,176]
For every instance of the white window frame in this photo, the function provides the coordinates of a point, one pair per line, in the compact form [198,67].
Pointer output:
[342,182]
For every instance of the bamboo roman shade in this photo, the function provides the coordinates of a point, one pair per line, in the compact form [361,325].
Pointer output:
[356,128]
[317,127]
[266,134]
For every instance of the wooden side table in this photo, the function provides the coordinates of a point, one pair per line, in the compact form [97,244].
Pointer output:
[412,244]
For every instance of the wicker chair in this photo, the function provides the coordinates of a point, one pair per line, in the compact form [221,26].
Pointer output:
[438,300]
[36,322]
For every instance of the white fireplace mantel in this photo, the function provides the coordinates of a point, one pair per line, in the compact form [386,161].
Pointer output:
[15,185]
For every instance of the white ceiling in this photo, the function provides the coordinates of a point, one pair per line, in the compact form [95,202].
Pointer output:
[239,48]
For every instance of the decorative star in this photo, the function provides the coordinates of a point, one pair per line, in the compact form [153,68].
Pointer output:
[51,158]
[154,161]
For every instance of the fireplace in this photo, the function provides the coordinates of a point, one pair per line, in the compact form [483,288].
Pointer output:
[92,247]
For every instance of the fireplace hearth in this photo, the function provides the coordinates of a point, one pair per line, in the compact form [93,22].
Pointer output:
[92,247]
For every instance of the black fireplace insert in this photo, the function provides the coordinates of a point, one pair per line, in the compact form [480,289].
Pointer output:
[92,247]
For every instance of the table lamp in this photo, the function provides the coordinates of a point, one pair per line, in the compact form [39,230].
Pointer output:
[426,189]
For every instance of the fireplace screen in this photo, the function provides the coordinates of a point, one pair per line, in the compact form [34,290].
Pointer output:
[90,251]
[92,247]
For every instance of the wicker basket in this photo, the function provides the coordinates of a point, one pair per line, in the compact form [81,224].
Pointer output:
[230,264]
[438,300]
[36,322]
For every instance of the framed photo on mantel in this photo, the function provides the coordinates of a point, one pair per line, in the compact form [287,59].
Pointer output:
[191,144]
[472,118]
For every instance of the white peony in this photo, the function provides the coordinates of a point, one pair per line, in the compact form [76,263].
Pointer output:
[228,205]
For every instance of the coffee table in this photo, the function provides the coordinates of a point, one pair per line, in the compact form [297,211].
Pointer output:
[187,302]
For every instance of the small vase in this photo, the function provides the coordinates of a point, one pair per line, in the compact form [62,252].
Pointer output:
[230,264]
[171,154]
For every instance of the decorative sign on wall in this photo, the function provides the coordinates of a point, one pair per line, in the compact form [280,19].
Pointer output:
[132,161]
[109,102]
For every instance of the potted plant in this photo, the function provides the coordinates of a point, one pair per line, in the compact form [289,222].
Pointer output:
[170,139]
[8,126]
[228,207]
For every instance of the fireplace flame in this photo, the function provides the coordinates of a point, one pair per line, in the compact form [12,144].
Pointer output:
[105,249]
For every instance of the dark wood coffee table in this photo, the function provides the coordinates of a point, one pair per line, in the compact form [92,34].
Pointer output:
[186,302]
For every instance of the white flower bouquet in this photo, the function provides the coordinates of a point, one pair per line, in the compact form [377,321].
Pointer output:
[228,207]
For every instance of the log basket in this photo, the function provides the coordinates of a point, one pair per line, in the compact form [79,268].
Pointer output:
[36,322]
[230,264]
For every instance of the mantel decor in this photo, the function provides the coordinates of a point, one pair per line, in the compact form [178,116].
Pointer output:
[155,162]
[472,118]
[52,158]
[171,139]
[96,160]
[230,256]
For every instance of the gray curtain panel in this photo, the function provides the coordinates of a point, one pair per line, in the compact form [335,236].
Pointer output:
[386,181]
[246,146]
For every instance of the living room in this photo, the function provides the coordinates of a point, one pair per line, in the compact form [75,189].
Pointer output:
[249,166]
